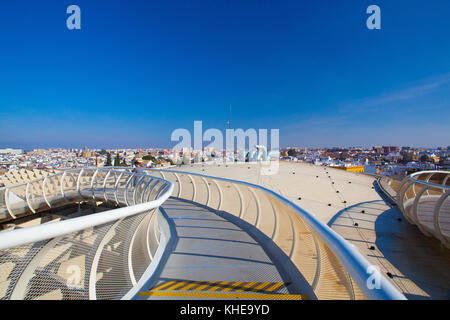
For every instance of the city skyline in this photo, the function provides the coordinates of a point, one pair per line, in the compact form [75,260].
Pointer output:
[285,147]
[137,71]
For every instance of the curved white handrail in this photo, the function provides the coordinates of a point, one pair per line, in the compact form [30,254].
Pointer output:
[412,203]
[35,190]
[23,236]
[441,186]
[354,262]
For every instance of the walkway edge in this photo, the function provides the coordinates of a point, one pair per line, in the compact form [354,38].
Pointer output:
[166,245]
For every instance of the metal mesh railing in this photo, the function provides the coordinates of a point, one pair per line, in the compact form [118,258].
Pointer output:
[98,256]
[4,214]
[62,188]
[122,245]
[333,268]
[102,262]
[424,199]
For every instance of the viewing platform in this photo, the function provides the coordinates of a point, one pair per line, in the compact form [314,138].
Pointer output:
[424,199]
[101,233]
[359,208]
[214,237]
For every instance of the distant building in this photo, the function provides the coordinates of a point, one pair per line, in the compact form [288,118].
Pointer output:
[11,151]
[394,156]
[86,153]
[378,149]
[410,155]
[389,149]
[434,158]
[350,168]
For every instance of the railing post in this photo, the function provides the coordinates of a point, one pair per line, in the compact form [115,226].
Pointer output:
[104,185]
[126,189]
[149,193]
[21,283]
[207,190]
[27,197]
[415,211]
[94,177]
[161,188]
[402,195]
[44,193]
[445,181]
[194,189]
[428,179]
[136,188]
[258,206]
[151,190]
[8,207]
[241,200]
[144,190]
[80,174]
[95,261]
[116,187]
[155,228]
[220,194]
[436,214]
[62,186]
[179,184]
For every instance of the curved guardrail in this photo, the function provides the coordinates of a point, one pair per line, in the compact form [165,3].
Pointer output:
[104,255]
[423,198]
[107,256]
[332,266]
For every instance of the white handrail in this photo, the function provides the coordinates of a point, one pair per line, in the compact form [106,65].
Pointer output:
[354,262]
[412,215]
[356,265]
[441,186]
[23,236]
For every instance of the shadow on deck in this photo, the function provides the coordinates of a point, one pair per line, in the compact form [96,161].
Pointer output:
[417,265]
[213,250]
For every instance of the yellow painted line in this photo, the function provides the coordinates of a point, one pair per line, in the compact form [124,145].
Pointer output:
[225,295]
[205,286]
[220,285]
[262,285]
[176,285]
[164,285]
[232,286]
[274,287]
[248,285]
[191,285]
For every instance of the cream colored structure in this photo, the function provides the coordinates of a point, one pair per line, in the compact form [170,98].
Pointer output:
[109,254]
[24,175]
[278,222]
[105,255]
[424,199]
[352,205]
[300,235]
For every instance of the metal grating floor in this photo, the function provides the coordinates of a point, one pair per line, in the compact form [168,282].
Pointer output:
[212,255]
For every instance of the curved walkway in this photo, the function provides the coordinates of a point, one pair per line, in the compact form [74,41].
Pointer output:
[214,258]
[424,199]
[415,263]
[219,238]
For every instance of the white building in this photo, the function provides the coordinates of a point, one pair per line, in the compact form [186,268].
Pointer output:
[11,151]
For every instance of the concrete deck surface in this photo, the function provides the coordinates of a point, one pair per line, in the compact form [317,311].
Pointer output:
[209,248]
[417,264]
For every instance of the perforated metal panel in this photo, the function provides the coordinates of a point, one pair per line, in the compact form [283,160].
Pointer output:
[99,262]
[103,262]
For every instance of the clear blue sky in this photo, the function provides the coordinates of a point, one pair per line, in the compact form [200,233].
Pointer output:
[137,70]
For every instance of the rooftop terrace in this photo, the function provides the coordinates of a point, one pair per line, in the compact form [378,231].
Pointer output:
[214,237]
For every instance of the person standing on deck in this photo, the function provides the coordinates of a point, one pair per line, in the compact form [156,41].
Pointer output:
[137,169]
